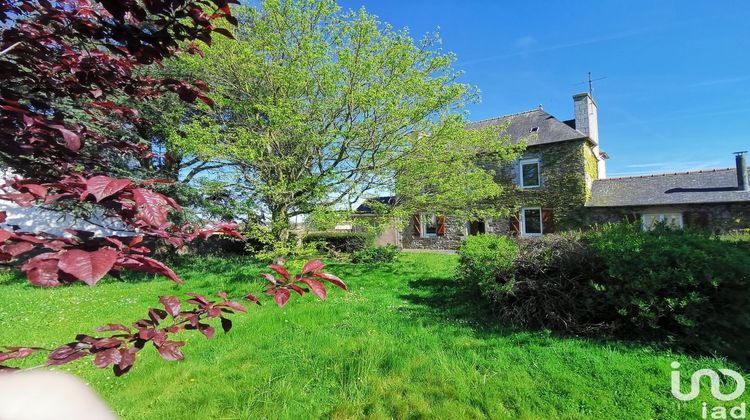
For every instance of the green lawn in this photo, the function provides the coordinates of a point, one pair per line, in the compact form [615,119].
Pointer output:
[404,342]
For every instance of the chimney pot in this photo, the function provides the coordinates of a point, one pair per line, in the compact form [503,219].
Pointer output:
[741,162]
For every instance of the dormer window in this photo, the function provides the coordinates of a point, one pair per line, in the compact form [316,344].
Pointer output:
[529,170]
[533,129]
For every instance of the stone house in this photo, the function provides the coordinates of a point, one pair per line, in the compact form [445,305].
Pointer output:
[560,184]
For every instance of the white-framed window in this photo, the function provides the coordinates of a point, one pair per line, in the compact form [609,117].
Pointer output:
[531,221]
[429,225]
[671,219]
[530,173]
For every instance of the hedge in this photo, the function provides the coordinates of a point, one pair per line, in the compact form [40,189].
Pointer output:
[687,289]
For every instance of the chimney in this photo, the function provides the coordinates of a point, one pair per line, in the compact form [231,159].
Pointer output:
[587,122]
[586,116]
[742,184]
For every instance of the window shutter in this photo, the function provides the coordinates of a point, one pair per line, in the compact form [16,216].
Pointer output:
[515,225]
[417,225]
[548,221]
[696,219]
[440,225]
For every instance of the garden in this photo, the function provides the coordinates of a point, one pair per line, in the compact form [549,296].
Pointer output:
[177,144]
[405,341]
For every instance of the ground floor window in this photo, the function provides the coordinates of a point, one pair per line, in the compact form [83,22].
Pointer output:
[429,225]
[531,221]
[651,220]
[476,227]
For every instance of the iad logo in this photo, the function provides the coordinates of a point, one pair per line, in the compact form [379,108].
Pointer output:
[737,412]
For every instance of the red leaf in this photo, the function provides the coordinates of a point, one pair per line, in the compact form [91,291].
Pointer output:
[312,265]
[234,305]
[252,298]
[269,277]
[331,279]
[170,350]
[127,358]
[171,304]
[17,353]
[279,269]
[89,267]
[207,330]
[102,187]
[200,298]
[42,272]
[72,139]
[281,297]
[226,324]
[149,265]
[136,240]
[5,235]
[107,357]
[22,199]
[152,207]
[297,289]
[35,189]
[65,354]
[113,327]
[3,216]
[106,343]
[317,287]
[17,248]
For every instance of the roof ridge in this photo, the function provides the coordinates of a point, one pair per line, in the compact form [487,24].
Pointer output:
[700,171]
[505,116]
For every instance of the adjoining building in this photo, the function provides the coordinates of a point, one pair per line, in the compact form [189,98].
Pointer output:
[560,184]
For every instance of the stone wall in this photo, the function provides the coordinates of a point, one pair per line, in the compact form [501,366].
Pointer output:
[721,217]
[565,184]
[455,231]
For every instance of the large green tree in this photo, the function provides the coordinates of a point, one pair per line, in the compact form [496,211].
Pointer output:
[318,107]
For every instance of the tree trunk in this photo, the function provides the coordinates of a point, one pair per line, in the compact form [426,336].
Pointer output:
[280,229]
[280,222]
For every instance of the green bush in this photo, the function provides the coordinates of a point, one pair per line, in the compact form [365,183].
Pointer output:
[346,242]
[376,254]
[487,260]
[687,289]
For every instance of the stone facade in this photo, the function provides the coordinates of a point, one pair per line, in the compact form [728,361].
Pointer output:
[720,217]
[566,171]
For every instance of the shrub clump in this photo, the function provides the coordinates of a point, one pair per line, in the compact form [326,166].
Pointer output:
[340,242]
[686,287]
[487,260]
[683,288]
[376,254]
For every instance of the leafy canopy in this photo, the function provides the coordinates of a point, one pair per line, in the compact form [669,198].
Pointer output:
[318,107]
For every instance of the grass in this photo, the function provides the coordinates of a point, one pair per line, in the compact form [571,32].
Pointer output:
[405,342]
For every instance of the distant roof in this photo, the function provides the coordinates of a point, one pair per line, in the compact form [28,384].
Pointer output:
[366,207]
[711,186]
[550,129]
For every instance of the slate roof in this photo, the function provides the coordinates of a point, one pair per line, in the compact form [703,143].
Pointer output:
[366,208]
[711,186]
[551,130]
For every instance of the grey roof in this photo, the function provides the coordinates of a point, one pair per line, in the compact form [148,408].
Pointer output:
[711,186]
[366,207]
[551,130]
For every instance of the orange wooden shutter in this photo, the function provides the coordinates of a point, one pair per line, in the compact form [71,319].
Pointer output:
[417,225]
[548,221]
[515,225]
[441,225]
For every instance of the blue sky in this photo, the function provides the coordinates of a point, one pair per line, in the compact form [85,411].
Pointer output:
[677,91]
